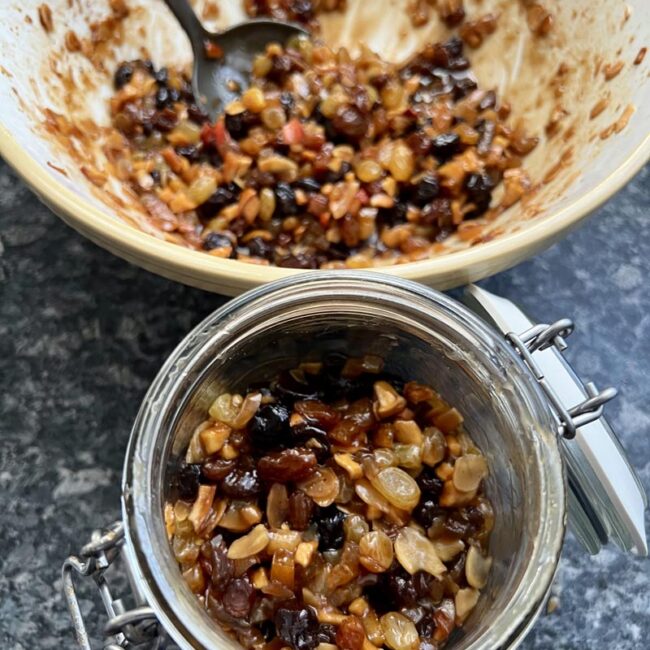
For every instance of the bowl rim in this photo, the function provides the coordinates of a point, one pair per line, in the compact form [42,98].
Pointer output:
[113,232]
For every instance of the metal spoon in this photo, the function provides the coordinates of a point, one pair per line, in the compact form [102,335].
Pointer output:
[218,81]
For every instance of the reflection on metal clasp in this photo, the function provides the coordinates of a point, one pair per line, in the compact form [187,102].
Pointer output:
[541,337]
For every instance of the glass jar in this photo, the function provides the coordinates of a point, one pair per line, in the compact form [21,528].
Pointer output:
[422,335]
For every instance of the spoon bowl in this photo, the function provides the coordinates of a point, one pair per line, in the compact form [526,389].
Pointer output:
[223,61]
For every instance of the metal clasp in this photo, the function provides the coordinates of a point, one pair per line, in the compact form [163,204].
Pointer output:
[541,337]
[135,629]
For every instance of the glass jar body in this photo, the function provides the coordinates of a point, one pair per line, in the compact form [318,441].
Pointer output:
[422,335]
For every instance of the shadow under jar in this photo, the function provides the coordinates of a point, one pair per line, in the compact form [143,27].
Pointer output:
[422,336]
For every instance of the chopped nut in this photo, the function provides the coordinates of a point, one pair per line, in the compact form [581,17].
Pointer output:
[248,545]
[465,601]
[477,568]
[259,578]
[347,462]
[469,471]
[448,548]
[304,552]
[387,400]
[408,432]
[202,506]
[449,421]
[417,553]
[214,437]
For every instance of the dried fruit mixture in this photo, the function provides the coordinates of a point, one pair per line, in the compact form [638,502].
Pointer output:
[326,161]
[333,507]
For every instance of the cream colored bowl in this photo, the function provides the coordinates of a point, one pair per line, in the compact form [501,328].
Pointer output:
[54,114]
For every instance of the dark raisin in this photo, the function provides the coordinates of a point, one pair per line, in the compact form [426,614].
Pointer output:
[401,588]
[327,633]
[162,97]
[239,125]
[445,146]
[238,597]
[487,129]
[258,247]
[222,567]
[187,481]
[350,122]
[330,528]
[336,176]
[419,142]
[438,213]
[395,215]
[424,584]
[426,626]
[301,509]
[217,468]
[281,66]
[267,628]
[317,412]
[123,75]
[307,184]
[216,240]
[155,175]
[426,511]
[190,151]
[292,386]
[241,483]
[303,10]
[165,120]
[463,85]
[430,484]
[223,196]
[286,101]
[479,191]
[425,191]
[148,65]
[197,114]
[270,426]
[297,626]
[286,465]
[285,200]
[162,76]
[299,261]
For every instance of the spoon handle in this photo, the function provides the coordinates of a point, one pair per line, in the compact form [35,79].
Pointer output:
[189,22]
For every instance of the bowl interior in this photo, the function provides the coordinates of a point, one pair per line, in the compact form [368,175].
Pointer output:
[55,101]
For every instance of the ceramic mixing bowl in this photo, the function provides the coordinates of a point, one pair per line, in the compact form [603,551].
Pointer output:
[583,88]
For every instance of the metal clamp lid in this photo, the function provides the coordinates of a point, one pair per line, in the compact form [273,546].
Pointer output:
[606,499]
[133,629]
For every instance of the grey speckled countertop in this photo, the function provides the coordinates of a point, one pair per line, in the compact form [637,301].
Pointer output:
[82,334]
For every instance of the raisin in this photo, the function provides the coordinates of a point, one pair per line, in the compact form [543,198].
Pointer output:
[286,101]
[191,152]
[281,66]
[330,528]
[241,483]
[187,481]
[351,634]
[438,213]
[197,114]
[217,469]
[222,567]
[297,626]
[239,125]
[419,142]
[301,509]
[123,75]
[163,98]
[463,85]
[224,195]
[395,215]
[270,426]
[336,176]
[238,597]
[317,412]
[445,146]
[165,120]
[327,633]
[162,76]
[292,388]
[401,588]
[426,511]
[307,184]
[287,465]
[285,200]
[258,247]
[299,261]
[426,626]
[350,122]
[215,240]
[430,484]
[425,191]
[479,191]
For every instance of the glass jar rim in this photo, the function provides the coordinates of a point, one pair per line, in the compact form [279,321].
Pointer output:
[144,529]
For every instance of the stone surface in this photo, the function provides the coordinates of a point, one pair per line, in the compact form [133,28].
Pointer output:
[82,334]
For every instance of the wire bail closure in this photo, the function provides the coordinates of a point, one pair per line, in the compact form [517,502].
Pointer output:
[134,629]
[541,337]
